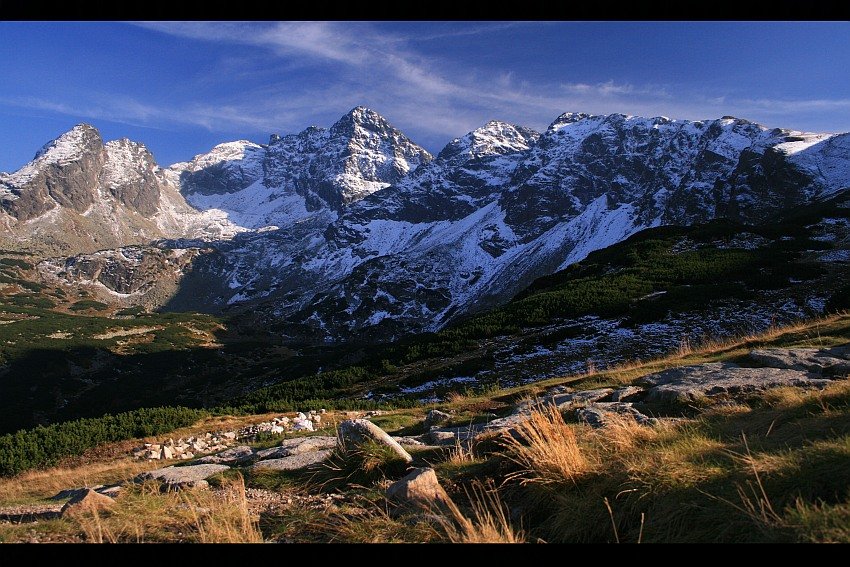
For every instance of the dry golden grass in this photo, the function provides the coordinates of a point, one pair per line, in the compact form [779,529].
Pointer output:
[42,484]
[145,514]
[489,522]
[546,449]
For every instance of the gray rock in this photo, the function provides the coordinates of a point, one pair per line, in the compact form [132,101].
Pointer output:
[689,383]
[296,446]
[420,490]
[193,476]
[240,455]
[566,401]
[294,462]
[87,501]
[826,362]
[74,492]
[598,414]
[353,433]
[113,490]
[438,437]
[413,440]
[436,417]
[506,423]
[623,394]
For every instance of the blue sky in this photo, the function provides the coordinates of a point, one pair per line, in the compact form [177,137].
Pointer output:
[180,88]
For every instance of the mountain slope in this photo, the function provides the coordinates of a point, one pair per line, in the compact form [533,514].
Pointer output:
[355,232]
[475,226]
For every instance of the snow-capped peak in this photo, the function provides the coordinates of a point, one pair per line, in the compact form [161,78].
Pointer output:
[494,138]
[67,148]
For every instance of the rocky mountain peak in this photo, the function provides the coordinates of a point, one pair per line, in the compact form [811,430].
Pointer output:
[71,145]
[494,138]
[568,118]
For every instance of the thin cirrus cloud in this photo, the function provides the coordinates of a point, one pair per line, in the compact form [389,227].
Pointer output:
[347,64]
[357,57]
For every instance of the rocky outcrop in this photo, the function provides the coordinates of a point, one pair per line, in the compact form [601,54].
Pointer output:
[825,362]
[693,383]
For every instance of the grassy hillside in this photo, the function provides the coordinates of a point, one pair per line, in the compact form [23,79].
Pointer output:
[768,467]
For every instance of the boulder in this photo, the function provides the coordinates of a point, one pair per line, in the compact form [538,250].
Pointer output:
[88,501]
[175,478]
[354,433]
[420,490]
[689,383]
[302,425]
[436,417]
[166,453]
[294,462]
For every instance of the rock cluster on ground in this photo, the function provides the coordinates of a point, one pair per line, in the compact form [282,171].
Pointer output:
[214,442]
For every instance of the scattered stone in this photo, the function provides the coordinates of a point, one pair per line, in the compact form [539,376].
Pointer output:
[229,435]
[353,433]
[87,501]
[294,462]
[235,456]
[323,411]
[420,490]
[436,417]
[690,383]
[175,478]
[300,416]
[302,425]
[277,429]
[166,453]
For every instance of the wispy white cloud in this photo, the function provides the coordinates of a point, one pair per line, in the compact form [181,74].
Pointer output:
[360,64]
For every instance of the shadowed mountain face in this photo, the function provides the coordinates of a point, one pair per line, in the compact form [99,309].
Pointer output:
[356,232]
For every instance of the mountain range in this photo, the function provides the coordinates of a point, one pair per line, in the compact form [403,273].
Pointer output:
[356,232]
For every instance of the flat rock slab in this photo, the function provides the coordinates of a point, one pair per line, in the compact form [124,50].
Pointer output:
[564,400]
[183,477]
[354,433]
[826,362]
[599,414]
[296,446]
[235,456]
[294,462]
[689,383]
